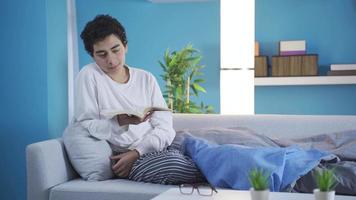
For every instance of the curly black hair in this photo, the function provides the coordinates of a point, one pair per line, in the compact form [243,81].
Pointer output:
[99,28]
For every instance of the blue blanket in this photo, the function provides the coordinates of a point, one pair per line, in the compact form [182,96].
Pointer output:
[228,165]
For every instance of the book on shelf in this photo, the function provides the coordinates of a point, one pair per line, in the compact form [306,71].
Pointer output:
[140,112]
[296,65]
[335,67]
[342,73]
[292,47]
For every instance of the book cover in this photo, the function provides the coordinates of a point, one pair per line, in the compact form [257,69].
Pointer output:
[335,67]
[138,112]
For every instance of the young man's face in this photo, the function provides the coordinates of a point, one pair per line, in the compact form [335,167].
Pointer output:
[109,54]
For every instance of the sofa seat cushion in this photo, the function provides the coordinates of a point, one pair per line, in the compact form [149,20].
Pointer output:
[115,189]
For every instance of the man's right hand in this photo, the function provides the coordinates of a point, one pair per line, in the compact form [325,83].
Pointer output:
[124,119]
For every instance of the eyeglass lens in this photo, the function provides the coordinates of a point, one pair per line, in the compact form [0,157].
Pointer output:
[205,190]
[186,189]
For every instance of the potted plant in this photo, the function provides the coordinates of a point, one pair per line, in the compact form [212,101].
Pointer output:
[259,180]
[182,75]
[326,183]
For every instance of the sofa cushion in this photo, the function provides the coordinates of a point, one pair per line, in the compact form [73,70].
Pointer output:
[115,189]
[88,155]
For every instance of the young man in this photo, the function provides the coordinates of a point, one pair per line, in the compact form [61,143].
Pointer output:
[141,147]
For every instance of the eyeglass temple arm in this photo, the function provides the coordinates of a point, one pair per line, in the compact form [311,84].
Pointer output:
[214,189]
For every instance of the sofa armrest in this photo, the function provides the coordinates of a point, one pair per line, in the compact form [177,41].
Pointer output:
[47,165]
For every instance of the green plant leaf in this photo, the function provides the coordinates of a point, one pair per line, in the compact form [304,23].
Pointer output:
[259,179]
[199,88]
[166,57]
[199,80]
[195,91]
[326,180]
[164,67]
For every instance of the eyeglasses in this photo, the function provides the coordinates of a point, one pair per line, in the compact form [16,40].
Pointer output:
[203,189]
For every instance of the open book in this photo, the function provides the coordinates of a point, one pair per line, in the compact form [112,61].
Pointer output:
[138,112]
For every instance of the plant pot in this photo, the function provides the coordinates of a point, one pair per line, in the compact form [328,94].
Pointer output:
[259,194]
[319,195]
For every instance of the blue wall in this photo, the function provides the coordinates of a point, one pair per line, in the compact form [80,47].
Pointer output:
[31,86]
[329,27]
[24,89]
[33,60]
[151,28]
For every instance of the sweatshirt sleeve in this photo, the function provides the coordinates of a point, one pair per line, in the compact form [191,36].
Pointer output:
[162,133]
[86,109]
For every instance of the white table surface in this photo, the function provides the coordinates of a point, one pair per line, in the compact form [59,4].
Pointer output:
[174,194]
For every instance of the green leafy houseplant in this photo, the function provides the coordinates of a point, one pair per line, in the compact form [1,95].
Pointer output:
[182,75]
[259,179]
[326,180]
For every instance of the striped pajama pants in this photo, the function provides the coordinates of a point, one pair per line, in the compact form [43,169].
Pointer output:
[169,167]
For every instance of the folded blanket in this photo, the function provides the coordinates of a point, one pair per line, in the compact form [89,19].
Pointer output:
[341,143]
[228,165]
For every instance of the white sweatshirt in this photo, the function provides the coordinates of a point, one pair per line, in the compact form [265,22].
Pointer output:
[96,91]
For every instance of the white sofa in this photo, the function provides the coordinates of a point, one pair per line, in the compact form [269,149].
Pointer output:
[50,175]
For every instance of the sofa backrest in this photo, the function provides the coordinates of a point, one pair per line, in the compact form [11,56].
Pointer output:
[47,165]
[279,126]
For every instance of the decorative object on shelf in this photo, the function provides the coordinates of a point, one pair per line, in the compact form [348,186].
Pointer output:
[337,67]
[292,47]
[342,73]
[182,73]
[259,180]
[342,70]
[257,48]
[326,182]
[176,1]
[302,65]
[261,63]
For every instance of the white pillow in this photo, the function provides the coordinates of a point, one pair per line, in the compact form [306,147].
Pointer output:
[88,155]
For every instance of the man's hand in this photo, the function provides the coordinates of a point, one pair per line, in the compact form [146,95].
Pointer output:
[124,163]
[124,119]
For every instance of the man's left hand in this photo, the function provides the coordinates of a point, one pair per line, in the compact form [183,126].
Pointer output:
[124,163]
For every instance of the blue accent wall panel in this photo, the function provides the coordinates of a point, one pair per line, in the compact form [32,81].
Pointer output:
[152,28]
[308,100]
[329,28]
[23,82]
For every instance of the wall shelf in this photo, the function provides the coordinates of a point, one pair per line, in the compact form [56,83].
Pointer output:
[175,1]
[305,80]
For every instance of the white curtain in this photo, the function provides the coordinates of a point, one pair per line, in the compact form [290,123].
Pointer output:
[73,60]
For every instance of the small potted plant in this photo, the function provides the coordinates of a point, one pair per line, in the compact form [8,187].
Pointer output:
[259,181]
[326,182]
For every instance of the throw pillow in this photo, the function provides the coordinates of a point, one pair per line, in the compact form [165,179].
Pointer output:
[88,155]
